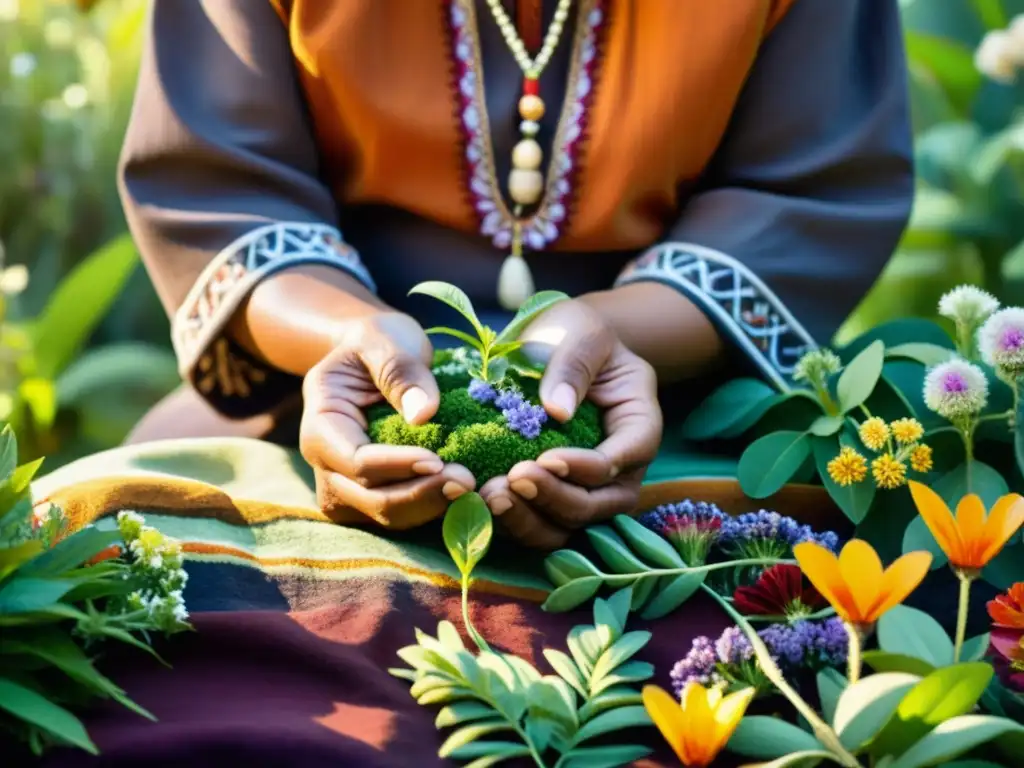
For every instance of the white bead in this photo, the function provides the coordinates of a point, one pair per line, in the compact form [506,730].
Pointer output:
[525,187]
[515,283]
[527,155]
[529,128]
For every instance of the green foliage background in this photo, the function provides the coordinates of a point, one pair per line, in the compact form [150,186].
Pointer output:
[67,74]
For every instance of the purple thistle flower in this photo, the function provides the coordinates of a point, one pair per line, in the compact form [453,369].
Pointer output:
[693,528]
[482,392]
[1001,341]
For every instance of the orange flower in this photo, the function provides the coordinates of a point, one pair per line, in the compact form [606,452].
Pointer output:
[970,540]
[855,584]
[699,727]
[1008,610]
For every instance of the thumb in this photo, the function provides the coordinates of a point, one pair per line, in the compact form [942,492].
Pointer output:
[398,363]
[569,375]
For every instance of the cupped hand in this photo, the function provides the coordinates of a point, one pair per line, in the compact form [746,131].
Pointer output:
[541,502]
[383,356]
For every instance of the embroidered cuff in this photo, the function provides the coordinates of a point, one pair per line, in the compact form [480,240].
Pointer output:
[233,381]
[735,300]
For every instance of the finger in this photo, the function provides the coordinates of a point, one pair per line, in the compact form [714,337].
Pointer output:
[571,370]
[523,524]
[375,465]
[587,468]
[632,439]
[402,373]
[570,506]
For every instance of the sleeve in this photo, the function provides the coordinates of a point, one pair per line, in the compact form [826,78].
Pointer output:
[219,181]
[809,190]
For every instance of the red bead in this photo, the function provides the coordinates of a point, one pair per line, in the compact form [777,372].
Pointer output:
[531,87]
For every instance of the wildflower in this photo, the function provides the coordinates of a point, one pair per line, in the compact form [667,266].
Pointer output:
[727,661]
[921,458]
[995,57]
[968,305]
[848,468]
[907,431]
[1006,648]
[807,645]
[1001,341]
[855,584]
[769,534]
[1007,610]
[691,528]
[697,666]
[508,399]
[816,366]
[874,433]
[970,540]
[526,419]
[778,591]
[699,727]
[482,392]
[888,471]
[956,389]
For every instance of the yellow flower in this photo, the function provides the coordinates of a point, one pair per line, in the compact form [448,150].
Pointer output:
[848,467]
[921,458]
[698,728]
[874,433]
[888,471]
[970,540]
[907,431]
[855,584]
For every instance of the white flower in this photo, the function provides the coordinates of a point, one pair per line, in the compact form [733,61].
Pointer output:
[816,366]
[1001,341]
[956,388]
[996,57]
[968,305]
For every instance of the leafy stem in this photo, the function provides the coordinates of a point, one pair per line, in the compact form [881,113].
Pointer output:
[961,615]
[627,578]
[474,635]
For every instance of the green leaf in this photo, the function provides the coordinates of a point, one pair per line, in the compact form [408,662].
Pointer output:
[991,13]
[623,649]
[831,685]
[613,720]
[770,462]
[470,733]
[645,542]
[1018,440]
[614,552]
[770,737]
[29,706]
[8,452]
[798,760]
[859,378]
[25,595]
[449,637]
[496,750]
[444,695]
[454,298]
[865,706]
[80,302]
[738,404]
[826,426]
[950,62]
[603,757]
[911,632]
[12,557]
[642,590]
[565,565]
[975,648]
[944,694]
[922,352]
[572,594]
[615,611]
[566,669]
[467,531]
[610,698]
[72,552]
[855,500]
[460,335]
[15,487]
[533,306]
[882,661]
[982,479]
[954,738]
[676,591]
[580,650]
[40,395]
[630,672]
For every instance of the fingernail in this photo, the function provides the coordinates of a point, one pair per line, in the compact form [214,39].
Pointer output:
[564,397]
[525,488]
[500,505]
[413,402]
[428,467]
[555,466]
[452,490]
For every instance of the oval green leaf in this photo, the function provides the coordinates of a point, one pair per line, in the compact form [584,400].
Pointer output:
[770,462]
[855,500]
[882,661]
[647,543]
[770,737]
[921,352]
[452,296]
[676,591]
[867,705]
[956,737]
[565,565]
[614,552]
[740,401]
[908,631]
[859,378]
[467,531]
[572,594]
[533,306]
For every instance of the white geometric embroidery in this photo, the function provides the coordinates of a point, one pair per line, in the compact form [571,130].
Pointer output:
[734,296]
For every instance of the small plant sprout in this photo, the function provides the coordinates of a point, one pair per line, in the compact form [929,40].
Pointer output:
[498,351]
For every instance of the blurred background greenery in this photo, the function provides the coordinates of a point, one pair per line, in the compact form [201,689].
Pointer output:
[84,347]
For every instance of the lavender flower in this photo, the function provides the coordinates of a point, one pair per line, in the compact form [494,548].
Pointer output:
[1001,342]
[733,647]
[697,666]
[482,392]
[769,534]
[508,399]
[693,528]
[956,389]
[526,419]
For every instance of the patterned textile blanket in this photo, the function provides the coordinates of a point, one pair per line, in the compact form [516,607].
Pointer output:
[298,617]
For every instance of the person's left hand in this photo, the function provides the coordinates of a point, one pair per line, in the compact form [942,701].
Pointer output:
[541,502]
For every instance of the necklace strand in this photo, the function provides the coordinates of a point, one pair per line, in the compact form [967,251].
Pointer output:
[531,68]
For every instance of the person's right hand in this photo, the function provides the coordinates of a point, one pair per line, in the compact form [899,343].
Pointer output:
[382,356]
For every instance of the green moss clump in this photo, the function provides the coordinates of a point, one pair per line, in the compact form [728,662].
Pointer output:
[474,434]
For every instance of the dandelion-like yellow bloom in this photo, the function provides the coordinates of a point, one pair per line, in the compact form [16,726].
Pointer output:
[921,458]
[874,433]
[907,431]
[848,467]
[888,471]
[698,727]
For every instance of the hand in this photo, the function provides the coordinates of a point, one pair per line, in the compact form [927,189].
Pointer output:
[384,355]
[541,502]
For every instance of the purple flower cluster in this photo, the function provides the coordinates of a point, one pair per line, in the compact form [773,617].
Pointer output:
[730,659]
[693,528]
[769,534]
[521,415]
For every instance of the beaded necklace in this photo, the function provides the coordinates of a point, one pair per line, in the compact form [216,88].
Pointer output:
[525,181]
